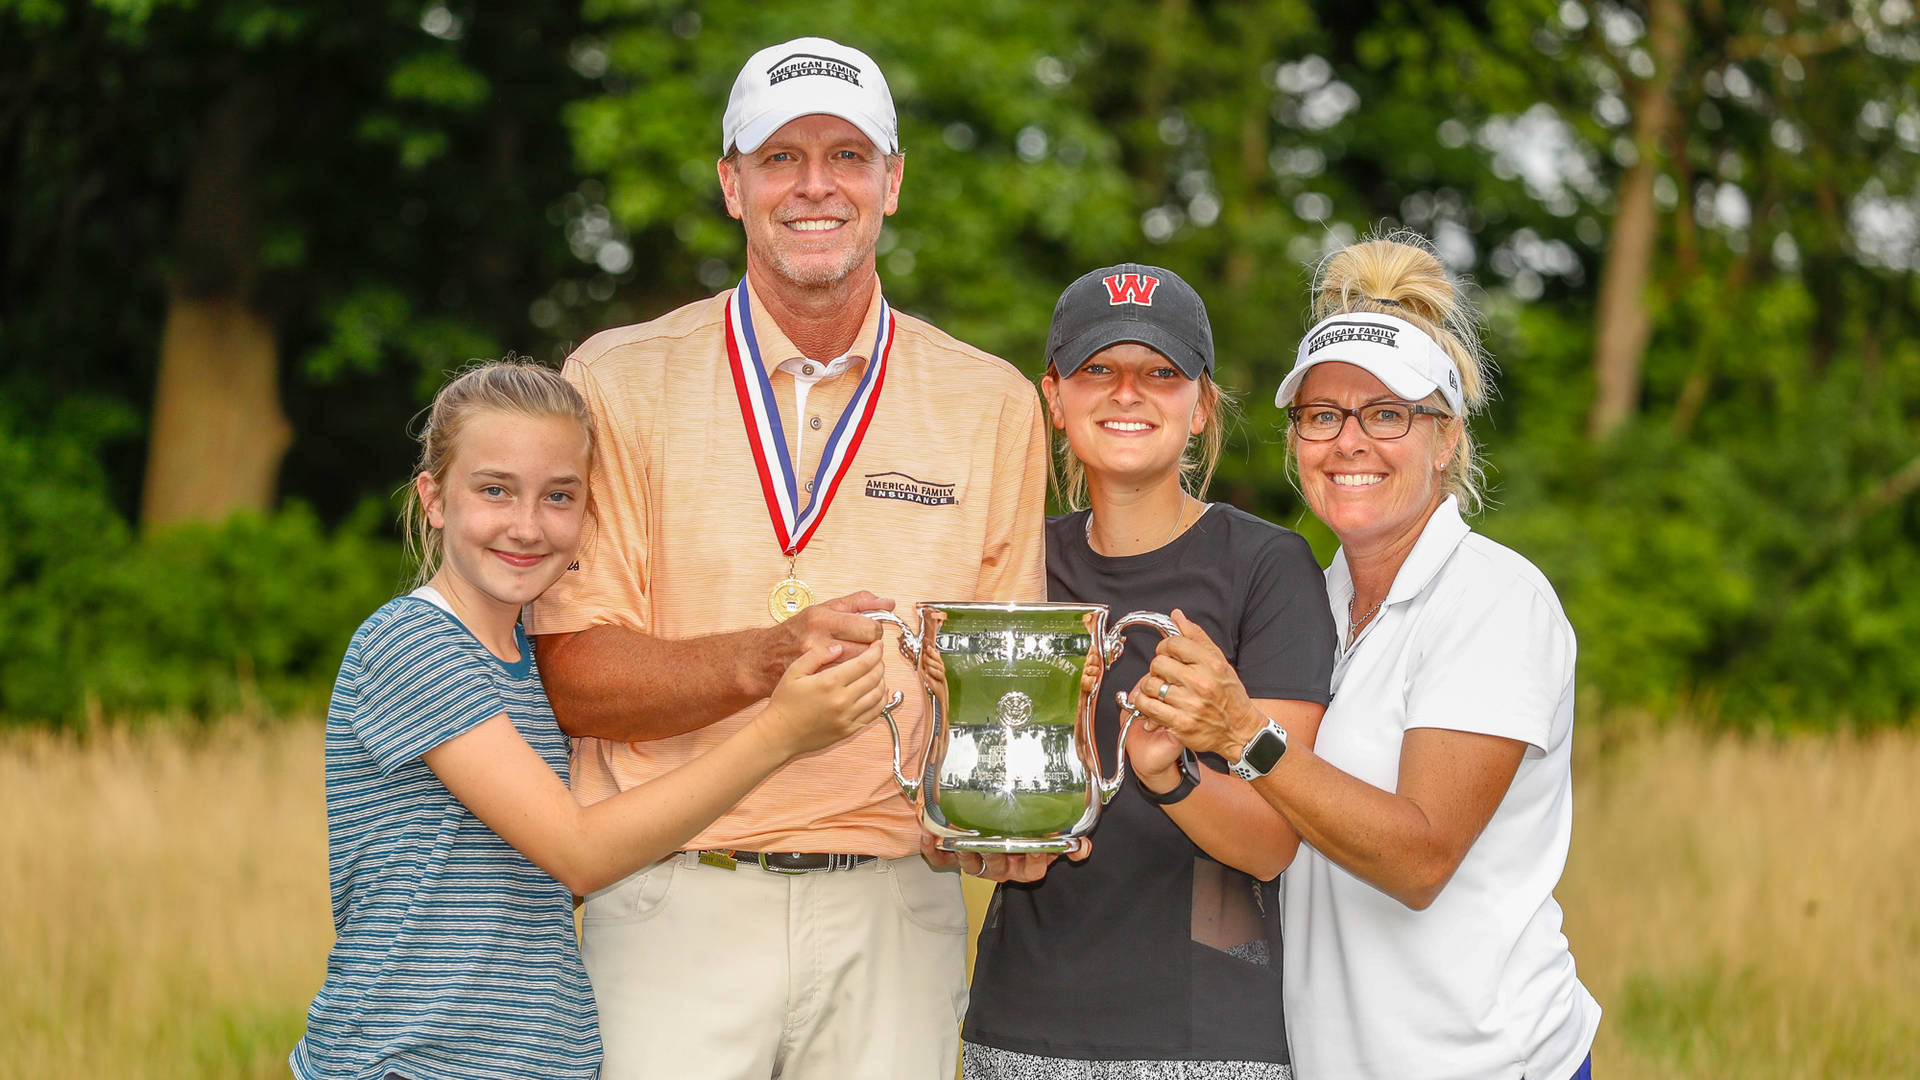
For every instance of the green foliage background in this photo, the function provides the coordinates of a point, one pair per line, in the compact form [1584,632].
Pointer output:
[448,180]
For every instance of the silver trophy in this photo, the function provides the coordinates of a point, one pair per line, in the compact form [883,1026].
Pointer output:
[1010,763]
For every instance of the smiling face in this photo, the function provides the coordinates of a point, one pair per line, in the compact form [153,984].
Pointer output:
[509,510]
[1375,494]
[1127,413]
[812,199]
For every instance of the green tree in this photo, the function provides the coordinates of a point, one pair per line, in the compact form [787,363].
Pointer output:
[233,230]
[238,211]
[1738,182]
[1694,223]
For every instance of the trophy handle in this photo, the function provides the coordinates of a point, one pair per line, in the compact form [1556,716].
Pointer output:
[1110,651]
[909,648]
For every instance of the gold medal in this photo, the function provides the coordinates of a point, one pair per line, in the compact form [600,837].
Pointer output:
[788,597]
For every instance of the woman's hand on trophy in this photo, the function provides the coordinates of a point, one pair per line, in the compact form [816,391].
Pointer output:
[992,866]
[1191,690]
[830,692]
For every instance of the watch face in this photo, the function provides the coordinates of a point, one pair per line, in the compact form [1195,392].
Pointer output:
[1263,753]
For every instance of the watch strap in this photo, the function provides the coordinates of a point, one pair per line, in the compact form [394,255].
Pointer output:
[1249,770]
[1188,767]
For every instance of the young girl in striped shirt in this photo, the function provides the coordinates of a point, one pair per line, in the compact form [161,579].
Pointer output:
[454,847]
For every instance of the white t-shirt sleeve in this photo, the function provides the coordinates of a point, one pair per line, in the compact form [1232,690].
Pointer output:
[1495,662]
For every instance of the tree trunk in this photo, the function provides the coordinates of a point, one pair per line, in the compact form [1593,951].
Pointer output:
[1621,322]
[218,430]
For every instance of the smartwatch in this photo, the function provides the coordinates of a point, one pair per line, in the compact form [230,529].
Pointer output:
[1189,769]
[1262,752]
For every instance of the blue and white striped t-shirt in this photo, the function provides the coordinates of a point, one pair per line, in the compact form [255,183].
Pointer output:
[455,957]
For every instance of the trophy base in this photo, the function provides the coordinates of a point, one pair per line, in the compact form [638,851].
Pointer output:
[1011,845]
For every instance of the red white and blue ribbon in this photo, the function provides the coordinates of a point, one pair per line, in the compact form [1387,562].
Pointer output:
[793,524]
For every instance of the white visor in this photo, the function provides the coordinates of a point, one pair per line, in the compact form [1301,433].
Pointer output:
[1388,347]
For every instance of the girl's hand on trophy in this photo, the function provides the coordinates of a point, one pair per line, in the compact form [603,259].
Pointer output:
[996,867]
[1193,691]
[830,692]
[1154,752]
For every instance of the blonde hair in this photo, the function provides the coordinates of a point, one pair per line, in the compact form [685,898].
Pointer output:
[1197,462]
[1400,274]
[514,386]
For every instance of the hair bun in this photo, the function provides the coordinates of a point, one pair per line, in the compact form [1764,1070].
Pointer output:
[1399,271]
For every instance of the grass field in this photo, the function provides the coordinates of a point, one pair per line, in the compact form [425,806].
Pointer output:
[1741,908]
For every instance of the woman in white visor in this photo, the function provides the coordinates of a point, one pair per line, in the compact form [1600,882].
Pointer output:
[1435,805]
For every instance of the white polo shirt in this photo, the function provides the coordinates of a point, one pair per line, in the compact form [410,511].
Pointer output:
[1481,984]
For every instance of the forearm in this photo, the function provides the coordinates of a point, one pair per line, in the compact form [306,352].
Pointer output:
[1229,819]
[610,682]
[620,835]
[496,774]
[1381,837]
[1231,822]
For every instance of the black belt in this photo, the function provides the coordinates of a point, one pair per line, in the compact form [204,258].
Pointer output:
[784,862]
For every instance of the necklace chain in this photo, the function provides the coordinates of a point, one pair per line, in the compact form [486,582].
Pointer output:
[1353,624]
[1177,518]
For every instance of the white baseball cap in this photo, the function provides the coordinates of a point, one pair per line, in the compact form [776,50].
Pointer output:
[804,77]
[1393,350]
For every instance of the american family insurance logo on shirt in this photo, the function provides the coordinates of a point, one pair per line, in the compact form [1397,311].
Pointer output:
[898,485]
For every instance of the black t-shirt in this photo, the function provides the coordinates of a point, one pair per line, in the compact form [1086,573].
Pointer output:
[1150,950]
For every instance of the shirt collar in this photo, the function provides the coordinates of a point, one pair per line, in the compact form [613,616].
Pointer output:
[778,352]
[1438,538]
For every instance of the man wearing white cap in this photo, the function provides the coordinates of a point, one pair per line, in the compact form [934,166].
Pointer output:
[791,438]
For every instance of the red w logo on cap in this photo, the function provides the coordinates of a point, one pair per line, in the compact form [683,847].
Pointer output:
[1131,288]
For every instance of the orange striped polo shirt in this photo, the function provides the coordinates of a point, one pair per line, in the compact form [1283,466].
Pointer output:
[945,501]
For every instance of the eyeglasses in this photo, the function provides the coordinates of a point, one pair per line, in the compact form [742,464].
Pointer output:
[1320,422]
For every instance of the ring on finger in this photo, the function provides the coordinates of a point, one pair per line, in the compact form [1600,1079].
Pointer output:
[1164,687]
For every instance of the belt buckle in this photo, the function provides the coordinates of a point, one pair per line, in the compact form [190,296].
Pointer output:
[729,859]
[761,858]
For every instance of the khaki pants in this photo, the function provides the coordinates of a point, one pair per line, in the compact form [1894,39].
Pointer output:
[743,974]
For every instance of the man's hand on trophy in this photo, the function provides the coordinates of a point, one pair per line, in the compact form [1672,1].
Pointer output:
[992,866]
[819,625]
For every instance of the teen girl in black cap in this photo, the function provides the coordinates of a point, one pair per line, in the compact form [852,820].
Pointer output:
[1159,957]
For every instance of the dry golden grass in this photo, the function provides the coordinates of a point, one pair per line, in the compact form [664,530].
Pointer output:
[165,901]
[1742,908]
[1746,908]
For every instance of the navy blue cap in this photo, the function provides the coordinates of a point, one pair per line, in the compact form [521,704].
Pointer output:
[1130,302]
